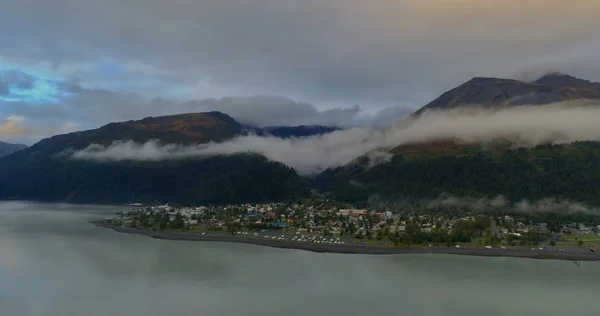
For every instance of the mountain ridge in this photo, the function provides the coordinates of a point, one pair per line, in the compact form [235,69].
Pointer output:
[444,165]
[490,92]
[42,172]
[8,148]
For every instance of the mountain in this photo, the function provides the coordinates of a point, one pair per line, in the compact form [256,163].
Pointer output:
[7,149]
[426,170]
[192,128]
[560,80]
[493,92]
[44,172]
[295,131]
[562,171]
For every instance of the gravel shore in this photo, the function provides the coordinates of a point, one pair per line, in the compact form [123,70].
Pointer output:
[555,254]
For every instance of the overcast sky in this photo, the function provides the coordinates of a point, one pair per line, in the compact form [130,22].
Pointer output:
[75,64]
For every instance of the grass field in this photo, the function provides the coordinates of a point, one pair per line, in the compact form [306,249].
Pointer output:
[585,238]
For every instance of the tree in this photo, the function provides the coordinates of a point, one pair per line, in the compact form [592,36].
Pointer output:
[565,170]
[408,240]
[177,222]
[231,228]
[351,228]
[580,243]
[145,223]
[448,240]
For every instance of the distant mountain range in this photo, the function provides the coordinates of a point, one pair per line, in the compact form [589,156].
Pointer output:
[7,149]
[44,172]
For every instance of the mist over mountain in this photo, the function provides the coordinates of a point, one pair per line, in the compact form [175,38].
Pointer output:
[443,119]
[7,148]
[47,172]
[294,131]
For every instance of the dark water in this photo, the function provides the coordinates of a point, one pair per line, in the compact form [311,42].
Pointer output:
[53,263]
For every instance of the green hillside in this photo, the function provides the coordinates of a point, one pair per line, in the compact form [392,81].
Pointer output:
[7,149]
[44,172]
[562,171]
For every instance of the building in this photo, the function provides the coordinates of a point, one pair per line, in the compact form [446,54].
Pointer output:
[356,213]
[280,224]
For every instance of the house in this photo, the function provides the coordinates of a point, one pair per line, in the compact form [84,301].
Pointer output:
[271,215]
[357,213]
[252,213]
[343,212]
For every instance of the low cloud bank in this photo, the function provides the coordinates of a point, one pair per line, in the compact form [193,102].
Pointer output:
[272,110]
[525,125]
[546,205]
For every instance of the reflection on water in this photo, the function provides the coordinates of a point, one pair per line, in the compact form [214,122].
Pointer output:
[52,262]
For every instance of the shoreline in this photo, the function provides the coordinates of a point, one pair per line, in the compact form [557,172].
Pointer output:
[365,250]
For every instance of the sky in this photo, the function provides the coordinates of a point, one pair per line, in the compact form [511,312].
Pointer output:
[69,65]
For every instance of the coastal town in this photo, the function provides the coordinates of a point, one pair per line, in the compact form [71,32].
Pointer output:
[322,221]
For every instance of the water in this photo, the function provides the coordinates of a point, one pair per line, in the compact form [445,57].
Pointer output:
[52,262]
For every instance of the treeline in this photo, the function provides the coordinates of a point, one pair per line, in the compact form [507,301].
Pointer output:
[563,171]
[217,180]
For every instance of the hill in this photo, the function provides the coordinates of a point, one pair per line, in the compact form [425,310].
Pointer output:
[560,80]
[428,169]
[7,149]
[563,171]
[43,172]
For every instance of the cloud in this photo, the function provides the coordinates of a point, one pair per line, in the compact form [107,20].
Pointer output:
[11,126]
[273,110]
[92,108]
[473,204]
[3,89]
[388,56]
[377,53]
[17,129]
[306,155]
[553,205]
[16,85]
[546,205]
[526,125]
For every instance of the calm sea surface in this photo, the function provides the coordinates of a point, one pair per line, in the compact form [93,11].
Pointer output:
[52,262]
